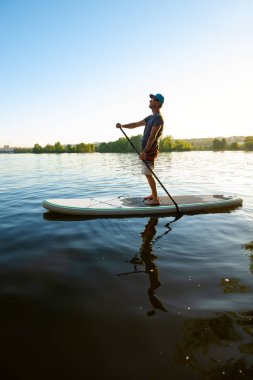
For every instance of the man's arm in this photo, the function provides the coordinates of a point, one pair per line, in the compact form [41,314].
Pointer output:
[131,125]
[155,129]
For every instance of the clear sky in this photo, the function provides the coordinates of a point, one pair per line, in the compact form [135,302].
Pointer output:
[71,69]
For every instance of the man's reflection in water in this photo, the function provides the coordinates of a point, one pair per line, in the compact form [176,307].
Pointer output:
[146,254]
[147,258]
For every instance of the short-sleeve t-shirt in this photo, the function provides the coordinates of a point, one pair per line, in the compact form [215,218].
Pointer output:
[152,121]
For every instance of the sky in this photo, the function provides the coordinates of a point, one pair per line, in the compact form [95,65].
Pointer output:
[71,69]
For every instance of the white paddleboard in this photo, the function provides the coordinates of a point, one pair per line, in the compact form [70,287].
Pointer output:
[117,206]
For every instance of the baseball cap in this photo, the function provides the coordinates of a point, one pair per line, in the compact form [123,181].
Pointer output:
[159,97]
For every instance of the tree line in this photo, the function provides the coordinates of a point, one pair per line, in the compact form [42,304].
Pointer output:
[221,144]
[167,144]
[59,148]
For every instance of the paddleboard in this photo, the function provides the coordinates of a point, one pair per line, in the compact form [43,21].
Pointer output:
[117,206]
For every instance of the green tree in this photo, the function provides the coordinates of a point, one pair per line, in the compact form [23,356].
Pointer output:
[91,148]
[223,144]
[37,149]
[122,145]
[58,147]
[136,140]
[181,146]
[85,148]
[103,147]
[234,146]
[49,148]
[119,146]
[166,144]
[80,148]
[248,143]
[70,149]
[216,144]
[23,150]
[219,145]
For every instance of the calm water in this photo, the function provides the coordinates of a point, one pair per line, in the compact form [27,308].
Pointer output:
[125,298]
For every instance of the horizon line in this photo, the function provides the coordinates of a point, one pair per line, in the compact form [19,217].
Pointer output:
[100,142]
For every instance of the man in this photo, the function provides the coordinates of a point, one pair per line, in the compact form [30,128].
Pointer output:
[152,132]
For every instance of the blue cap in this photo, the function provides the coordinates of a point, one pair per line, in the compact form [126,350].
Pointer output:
[159,97]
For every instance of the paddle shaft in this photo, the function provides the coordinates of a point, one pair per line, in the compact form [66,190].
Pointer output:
[158,180]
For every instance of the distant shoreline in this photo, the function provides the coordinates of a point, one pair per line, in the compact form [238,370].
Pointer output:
[166,144]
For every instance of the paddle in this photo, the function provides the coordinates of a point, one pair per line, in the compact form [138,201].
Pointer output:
[158,180]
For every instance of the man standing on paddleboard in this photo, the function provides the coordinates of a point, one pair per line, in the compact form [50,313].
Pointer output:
[150,140]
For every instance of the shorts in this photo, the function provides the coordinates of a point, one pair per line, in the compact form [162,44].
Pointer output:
[144,168]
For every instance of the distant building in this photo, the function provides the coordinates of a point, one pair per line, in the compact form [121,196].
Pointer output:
[6,149]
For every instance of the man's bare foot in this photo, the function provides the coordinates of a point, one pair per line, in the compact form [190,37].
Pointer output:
[149,197]
[152,202]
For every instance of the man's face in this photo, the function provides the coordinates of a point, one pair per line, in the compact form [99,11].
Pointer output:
[153,103]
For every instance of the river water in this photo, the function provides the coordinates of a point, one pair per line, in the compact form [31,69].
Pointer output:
[125,298]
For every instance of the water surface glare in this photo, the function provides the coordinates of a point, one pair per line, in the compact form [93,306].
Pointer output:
[125,298]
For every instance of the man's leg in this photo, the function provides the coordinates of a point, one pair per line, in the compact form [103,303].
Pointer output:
[152,184]
[153,198]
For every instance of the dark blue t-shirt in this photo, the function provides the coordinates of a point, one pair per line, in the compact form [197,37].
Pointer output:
[152,121]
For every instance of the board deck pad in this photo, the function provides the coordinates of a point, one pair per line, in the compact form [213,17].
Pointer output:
[166,201]
[122,205]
